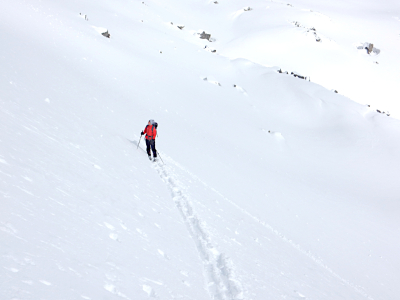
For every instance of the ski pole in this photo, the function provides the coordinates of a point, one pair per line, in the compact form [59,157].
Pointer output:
[139,143]
[160,157]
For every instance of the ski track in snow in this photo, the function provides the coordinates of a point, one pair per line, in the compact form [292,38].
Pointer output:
[221,281]
[186,210]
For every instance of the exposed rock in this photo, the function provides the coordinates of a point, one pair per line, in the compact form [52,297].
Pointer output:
[312,29]
[209,49]
[369,47]
[205,36]
[298,75]
[294,74]
[382,112]
[84,16]
[106,34]
[181,27]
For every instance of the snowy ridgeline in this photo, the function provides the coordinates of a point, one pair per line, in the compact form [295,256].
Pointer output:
[271,187]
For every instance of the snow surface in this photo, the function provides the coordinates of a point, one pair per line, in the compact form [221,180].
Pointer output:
[270,186]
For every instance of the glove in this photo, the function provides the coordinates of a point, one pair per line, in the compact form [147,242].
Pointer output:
[141,133]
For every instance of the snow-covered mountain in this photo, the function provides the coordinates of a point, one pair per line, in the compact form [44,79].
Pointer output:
[270,186]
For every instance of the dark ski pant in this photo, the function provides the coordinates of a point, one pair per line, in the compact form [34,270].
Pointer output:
[152,144]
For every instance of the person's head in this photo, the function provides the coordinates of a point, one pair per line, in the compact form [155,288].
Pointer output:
[149,123]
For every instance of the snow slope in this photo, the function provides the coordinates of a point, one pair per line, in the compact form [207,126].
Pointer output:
[321,40]
[272,187]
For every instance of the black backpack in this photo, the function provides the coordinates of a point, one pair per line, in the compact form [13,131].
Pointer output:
[155,124]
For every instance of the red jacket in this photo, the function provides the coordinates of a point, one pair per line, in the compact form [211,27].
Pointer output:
[151,132]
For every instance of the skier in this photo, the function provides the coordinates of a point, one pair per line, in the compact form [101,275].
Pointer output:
[151,133]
